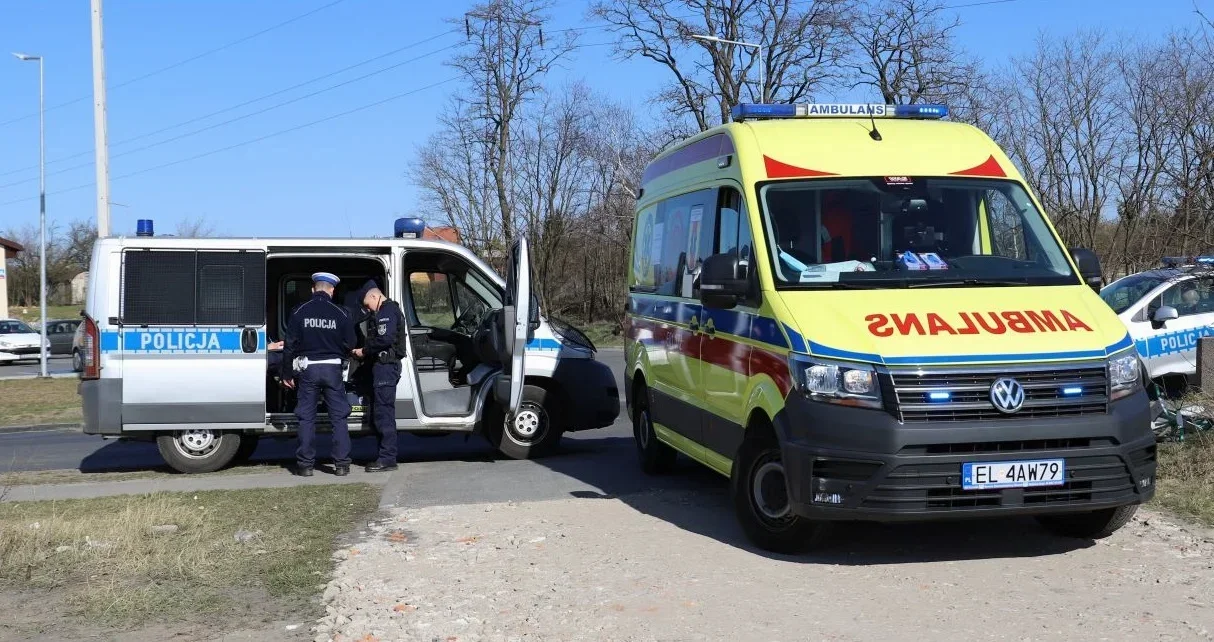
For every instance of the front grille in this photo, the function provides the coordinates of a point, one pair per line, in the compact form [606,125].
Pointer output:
[969,393]
[931,487]
[1003,447]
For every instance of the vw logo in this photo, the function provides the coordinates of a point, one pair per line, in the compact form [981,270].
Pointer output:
[1007,395]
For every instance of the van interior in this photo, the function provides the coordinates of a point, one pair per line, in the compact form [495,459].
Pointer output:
[446,304]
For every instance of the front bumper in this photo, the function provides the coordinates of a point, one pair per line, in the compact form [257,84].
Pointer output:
[854,464]
[592,396]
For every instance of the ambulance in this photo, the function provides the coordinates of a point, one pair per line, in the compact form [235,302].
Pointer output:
[861,312]
[179,334]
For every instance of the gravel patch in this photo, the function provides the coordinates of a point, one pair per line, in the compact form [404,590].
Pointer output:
[612,569]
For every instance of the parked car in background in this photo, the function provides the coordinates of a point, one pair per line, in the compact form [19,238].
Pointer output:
[18,341]
[78,348]
[61,333]
[1166,311]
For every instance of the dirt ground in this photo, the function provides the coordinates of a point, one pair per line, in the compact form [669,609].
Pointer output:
[672,565]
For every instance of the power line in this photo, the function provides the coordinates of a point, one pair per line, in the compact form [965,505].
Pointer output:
[270,135]
[244,116]
[236,106]
[179,63]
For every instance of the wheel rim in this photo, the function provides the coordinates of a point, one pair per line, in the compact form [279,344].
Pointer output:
[196,443]
[643,430]
[769,492]
[529,425]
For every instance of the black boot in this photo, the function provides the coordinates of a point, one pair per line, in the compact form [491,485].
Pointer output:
[302,471]
[380,467]
[341,470]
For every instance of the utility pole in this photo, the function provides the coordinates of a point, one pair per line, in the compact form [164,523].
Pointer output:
[101,138]
[41,203]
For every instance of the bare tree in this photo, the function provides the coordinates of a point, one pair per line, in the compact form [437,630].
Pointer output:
[802,45]
[906,50]
[198,227]
[503,64]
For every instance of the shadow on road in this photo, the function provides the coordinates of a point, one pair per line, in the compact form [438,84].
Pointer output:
[697,500]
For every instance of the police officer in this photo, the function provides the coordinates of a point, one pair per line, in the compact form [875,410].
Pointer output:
[319,336]
[384,348]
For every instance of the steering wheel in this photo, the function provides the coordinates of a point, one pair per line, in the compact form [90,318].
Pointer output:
[467,322]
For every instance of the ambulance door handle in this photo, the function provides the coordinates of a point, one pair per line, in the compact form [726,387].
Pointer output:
[248,340]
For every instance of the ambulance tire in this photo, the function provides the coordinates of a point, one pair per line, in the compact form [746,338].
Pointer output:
[1094,525]
[654,456]
[198,451]
[761,498]
[248,445]
[535,432]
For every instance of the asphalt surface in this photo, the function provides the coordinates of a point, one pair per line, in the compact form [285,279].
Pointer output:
[434,470]
[56,366]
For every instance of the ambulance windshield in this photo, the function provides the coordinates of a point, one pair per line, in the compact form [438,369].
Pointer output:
[900,231]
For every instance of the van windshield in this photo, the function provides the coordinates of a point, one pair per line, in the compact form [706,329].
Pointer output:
[901,231]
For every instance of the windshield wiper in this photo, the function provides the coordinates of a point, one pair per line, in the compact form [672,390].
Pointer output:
[968,282]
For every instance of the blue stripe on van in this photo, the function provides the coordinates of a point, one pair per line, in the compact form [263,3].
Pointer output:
[176,340]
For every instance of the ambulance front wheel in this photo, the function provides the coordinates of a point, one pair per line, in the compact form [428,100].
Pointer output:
[198,450]
[762,501]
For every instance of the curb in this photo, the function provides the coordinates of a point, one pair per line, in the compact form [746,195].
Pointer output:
[38,428]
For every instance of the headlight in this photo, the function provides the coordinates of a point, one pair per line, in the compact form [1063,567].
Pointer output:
[1125,377]
[850,384]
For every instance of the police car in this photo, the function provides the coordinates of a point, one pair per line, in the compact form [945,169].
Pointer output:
[1167,311]
[177,338]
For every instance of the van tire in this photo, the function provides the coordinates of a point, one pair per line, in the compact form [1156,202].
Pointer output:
[248,445]
[1094,525]
[198,451]
[536,431]
[654,456]
[766,516]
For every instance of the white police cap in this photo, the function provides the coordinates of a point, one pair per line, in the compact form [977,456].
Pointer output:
[325,277]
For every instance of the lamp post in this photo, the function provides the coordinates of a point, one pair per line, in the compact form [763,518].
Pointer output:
[41,199]
[759,50]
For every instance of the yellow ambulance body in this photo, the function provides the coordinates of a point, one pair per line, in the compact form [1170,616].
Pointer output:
[860,312]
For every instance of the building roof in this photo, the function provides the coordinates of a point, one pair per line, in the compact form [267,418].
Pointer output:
[442,233]
[12,245]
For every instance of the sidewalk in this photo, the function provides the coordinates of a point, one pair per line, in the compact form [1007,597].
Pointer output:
[182,483]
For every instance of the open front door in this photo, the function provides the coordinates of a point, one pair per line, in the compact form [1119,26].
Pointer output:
[517,316]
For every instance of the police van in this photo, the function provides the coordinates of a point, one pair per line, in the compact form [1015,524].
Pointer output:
[861,312]
[177,334]
[1167,311]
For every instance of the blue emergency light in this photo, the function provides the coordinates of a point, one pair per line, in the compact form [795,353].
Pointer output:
[1181,261]
[939,395]
[746,111]
[144,227]
[1071,391]
[409,228]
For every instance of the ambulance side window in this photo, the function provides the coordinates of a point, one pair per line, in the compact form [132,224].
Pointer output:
[733,230]
[679,241]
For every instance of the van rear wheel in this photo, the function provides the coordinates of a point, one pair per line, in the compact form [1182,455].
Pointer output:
[198,450]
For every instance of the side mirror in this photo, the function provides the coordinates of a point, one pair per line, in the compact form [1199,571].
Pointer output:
[1163,315]
[721,281]
[1089,267]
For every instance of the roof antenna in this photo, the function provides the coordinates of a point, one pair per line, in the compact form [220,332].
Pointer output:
[873,133]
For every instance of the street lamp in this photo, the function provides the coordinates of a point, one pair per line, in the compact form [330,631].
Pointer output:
[759,50]
[41,197]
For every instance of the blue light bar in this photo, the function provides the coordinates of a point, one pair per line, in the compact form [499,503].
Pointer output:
[144,227]
[1071,391]
[409,228]
[754,110]
[939,395]
[746,111]
[1181,261]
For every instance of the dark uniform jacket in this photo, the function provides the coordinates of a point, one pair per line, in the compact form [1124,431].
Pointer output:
[385,332]
[318,329]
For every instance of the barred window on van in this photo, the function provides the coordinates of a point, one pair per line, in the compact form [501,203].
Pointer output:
[168,287]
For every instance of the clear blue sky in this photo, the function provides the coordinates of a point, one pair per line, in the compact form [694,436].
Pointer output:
[344,174]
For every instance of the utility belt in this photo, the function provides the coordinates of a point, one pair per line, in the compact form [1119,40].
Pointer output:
[299,364]
[388,356]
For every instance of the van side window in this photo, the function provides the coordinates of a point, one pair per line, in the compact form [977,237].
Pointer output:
[187,287]
[733,234]
[672,238]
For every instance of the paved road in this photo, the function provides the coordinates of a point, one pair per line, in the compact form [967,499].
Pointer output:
[56,366]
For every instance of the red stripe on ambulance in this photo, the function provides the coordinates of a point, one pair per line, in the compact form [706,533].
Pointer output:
[1009,321]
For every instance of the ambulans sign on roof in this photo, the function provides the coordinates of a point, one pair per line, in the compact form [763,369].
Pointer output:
[746,111]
